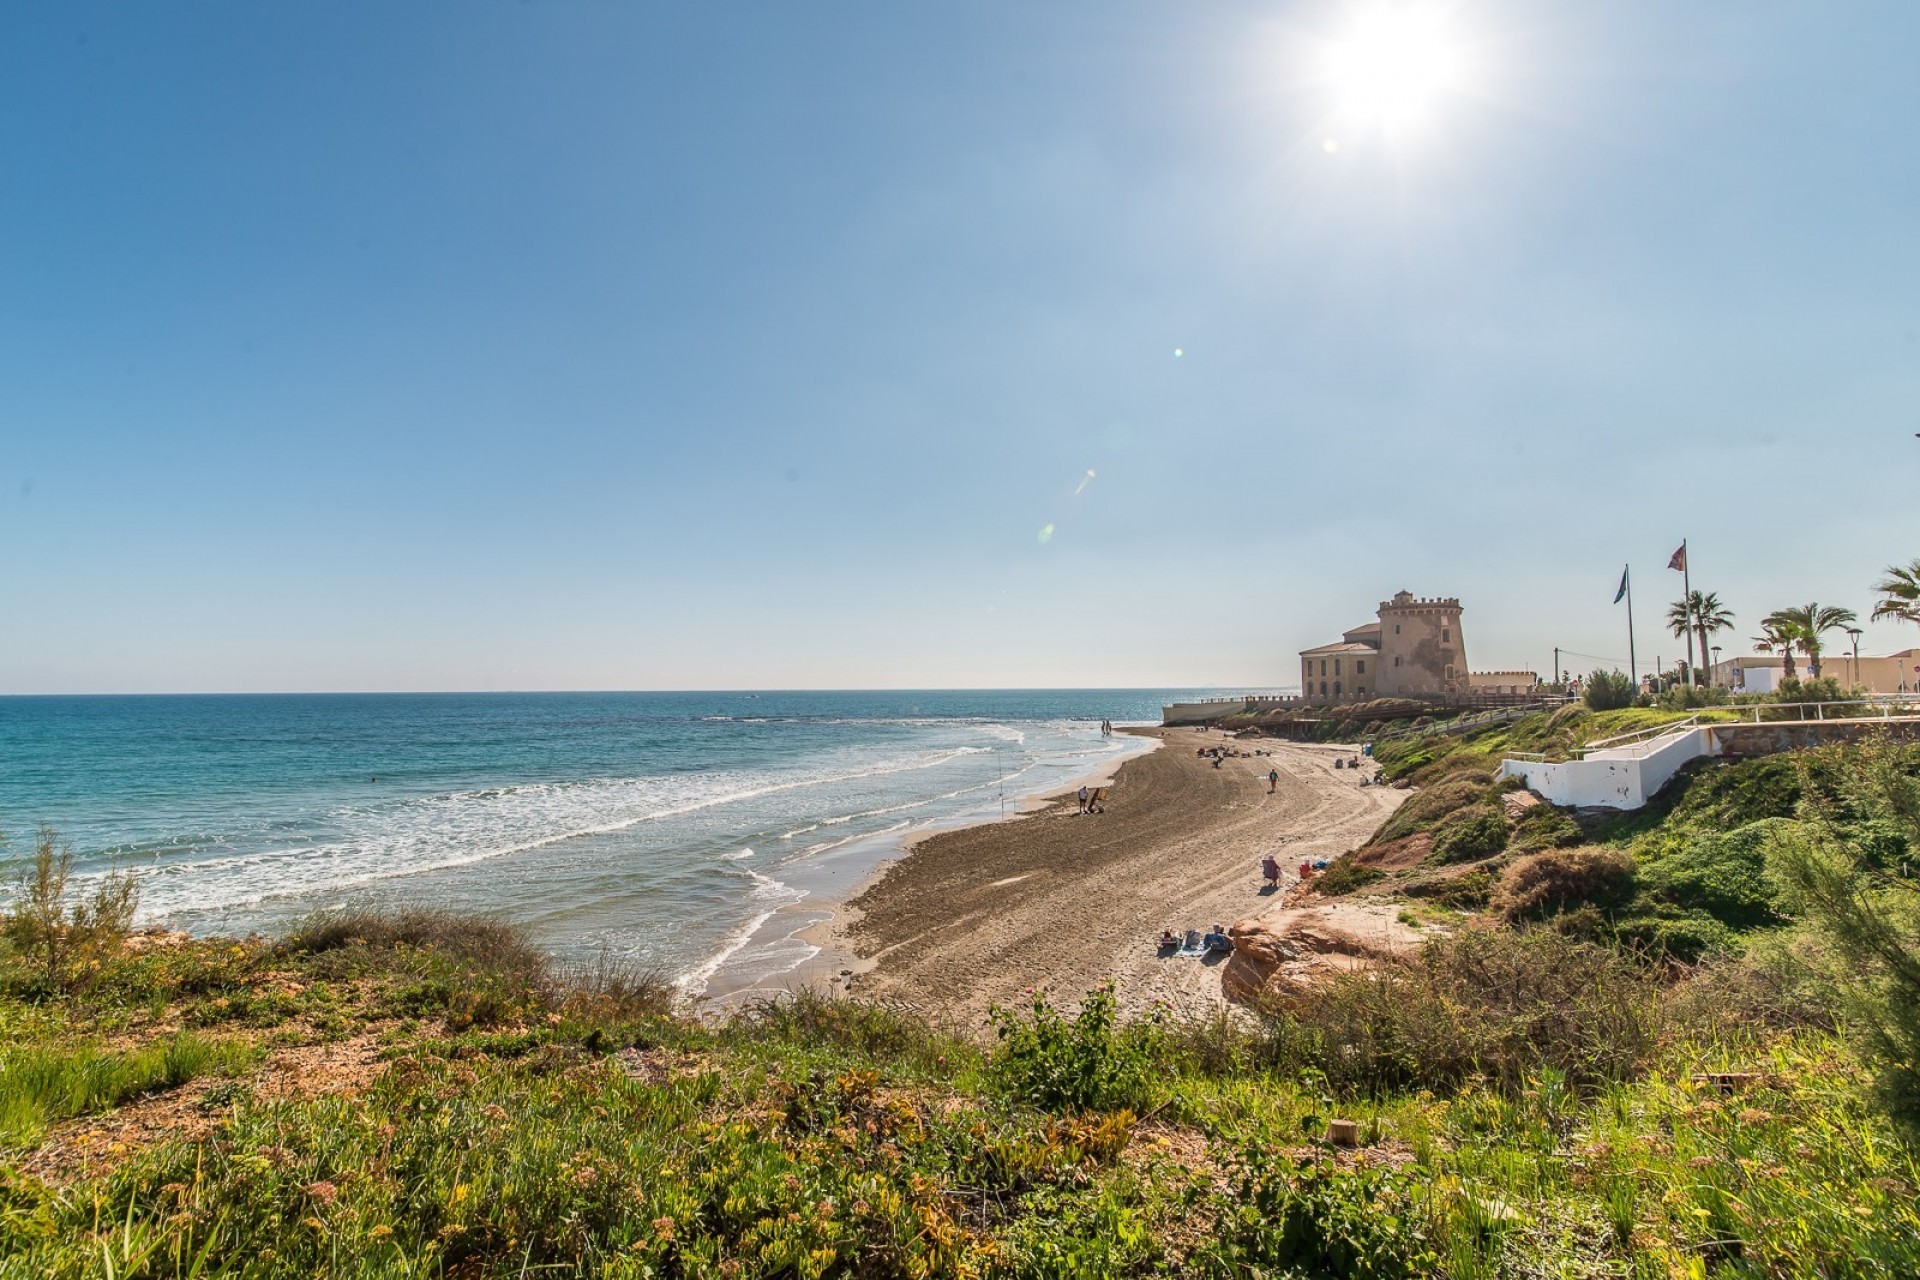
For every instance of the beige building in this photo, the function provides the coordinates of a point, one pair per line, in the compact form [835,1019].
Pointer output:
[1762,672]
[1414,648]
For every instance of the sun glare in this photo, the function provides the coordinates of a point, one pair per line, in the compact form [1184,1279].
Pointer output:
[1393,64]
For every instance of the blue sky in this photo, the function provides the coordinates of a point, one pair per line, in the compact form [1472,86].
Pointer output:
[570,345]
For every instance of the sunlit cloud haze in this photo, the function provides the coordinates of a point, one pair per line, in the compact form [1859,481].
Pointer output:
[475,346]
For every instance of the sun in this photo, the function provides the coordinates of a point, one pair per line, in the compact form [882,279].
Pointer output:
[1393,65]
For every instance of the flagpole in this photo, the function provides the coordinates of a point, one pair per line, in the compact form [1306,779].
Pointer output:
[1633,667]
[1686,595]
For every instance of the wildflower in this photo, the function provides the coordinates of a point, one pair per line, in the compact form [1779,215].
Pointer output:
[663,1227]
[324,1192]
[496,1113]
[381,1232]
[1754,1115]
[1701,1162]
[313,1224]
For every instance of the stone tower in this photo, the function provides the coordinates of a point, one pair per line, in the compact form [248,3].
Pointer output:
[1422,650]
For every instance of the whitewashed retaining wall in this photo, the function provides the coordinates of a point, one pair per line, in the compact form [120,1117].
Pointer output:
[1616,778]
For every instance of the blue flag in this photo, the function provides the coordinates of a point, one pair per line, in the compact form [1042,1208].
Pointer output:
[1621,594]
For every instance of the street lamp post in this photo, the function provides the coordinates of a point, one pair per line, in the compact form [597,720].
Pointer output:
[1855,633]
[1713,672]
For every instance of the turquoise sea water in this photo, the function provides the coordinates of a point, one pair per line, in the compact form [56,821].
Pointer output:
[692,832]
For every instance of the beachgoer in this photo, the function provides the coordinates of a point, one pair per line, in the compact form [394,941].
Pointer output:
[1273,780]
[1270,868]
[1093,802]
[1306,870]
[1083,799]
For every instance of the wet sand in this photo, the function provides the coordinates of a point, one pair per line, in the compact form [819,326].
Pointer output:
[1065,901]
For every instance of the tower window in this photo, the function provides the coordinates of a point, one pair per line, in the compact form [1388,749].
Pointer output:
[1336,666]
[1336,688]
[1396,659]
[1446,634]
[1359,666]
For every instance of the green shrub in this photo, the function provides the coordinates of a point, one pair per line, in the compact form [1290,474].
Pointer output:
[1496,1003]
[1674,931]
[1724,876]
[1543,884]
[1314,1219]
[65,942]
[1427,807]
[1343,875]
[1087,1063]
[1609,691]
[1543,826]
[1871,922]
[1470,835]
[488,944]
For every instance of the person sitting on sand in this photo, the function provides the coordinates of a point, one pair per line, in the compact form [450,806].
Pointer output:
[1217,940]
[1168,938]
[1093,802]
[1270,868]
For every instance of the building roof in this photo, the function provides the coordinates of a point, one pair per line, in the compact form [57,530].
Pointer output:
[1342,647]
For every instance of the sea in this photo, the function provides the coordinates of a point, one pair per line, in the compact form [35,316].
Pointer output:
[702,836]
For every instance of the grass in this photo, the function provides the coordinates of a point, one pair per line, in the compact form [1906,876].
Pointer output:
[1530,1101]
[41,1084]
[1526,1101]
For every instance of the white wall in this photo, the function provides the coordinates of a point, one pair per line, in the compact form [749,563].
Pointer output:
[1615,778]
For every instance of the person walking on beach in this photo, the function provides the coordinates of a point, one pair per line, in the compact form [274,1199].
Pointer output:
[1083,799]
[1273,780]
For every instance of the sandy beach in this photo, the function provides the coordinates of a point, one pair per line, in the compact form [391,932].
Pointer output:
[1064,901]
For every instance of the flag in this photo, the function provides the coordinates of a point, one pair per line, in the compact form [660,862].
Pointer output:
[1679,562]
[1621,594]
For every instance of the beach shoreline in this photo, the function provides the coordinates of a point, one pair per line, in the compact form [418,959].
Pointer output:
[1061,901]
[821,920]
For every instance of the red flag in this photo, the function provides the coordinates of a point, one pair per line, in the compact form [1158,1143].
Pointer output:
[1679,561]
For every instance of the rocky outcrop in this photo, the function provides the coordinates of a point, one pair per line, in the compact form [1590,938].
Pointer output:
[1280,953]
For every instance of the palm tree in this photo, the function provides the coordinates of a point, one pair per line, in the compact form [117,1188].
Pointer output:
[1709,617]
[1680,621]
[1809,623]
[1899,594]
[1779,637]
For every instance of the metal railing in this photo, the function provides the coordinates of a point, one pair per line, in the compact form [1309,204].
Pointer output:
[1650,738]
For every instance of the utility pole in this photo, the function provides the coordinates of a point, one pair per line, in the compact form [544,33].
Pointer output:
[1558,682]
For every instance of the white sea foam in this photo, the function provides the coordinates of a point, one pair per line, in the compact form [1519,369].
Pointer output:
[441,833]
